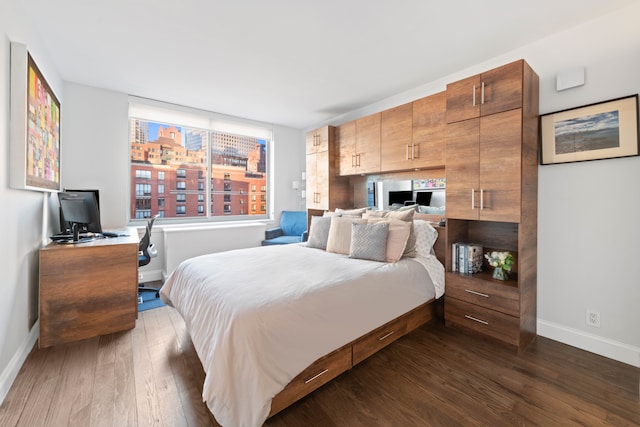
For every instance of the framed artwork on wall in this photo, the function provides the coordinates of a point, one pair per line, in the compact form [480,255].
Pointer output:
[604,130]
[35,126]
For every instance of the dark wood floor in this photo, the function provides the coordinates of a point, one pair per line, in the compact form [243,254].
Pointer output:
[434,376]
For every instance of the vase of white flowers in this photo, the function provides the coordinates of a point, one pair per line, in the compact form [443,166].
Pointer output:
[501,262]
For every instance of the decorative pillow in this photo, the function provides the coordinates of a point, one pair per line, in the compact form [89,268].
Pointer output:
[397,237]
[339,240]
[319,232]
[369,241]
[426,237]
[351,212]
[407,216]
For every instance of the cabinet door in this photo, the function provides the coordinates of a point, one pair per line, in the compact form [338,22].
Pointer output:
[396,149]
[318,140]
[500,166]
[463,101]
[502,89]
[463,168]
[346,148]
[311,181]
[429,131]
[368,144]
[322,179]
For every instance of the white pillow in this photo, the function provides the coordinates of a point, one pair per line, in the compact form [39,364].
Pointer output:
[426,236]
[339,240]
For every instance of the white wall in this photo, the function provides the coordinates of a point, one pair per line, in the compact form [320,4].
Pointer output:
[588,223]
[24,214]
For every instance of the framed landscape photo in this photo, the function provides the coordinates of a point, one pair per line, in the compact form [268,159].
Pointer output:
[604,130]
[35,126]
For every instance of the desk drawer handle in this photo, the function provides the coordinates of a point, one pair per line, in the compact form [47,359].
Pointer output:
[476,293]
[385,336]
[316,376]
[476,319]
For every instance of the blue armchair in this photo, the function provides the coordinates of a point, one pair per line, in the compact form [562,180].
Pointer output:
[292,229]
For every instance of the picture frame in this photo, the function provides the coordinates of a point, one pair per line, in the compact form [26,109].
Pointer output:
[35,126]
[603,130]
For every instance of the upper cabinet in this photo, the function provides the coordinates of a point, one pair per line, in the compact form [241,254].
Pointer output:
[413,134]
[494,91]
[359,146]
[429,131]
[325,190]
[486,173]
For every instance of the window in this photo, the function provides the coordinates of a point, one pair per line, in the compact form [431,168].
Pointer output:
[182,148]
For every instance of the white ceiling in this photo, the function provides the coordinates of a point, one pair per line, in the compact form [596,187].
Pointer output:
[289,62]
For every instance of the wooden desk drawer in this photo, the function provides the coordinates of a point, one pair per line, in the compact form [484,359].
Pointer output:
[378,338]
[503,298]
[318,374]
[480,319]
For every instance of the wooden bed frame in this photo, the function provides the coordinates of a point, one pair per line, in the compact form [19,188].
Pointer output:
[341,360]
[338,361]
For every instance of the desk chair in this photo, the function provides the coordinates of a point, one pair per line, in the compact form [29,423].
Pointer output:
[146,251]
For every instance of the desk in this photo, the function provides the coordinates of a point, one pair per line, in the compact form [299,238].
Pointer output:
[88,289]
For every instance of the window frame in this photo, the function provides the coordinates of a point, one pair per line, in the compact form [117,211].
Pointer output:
[205,178]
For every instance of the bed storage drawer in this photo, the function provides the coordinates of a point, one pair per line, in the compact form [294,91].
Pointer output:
[318,374]
[378,338]
[480,319]
[503,298]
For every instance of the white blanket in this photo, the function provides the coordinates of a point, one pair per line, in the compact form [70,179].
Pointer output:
[259,316]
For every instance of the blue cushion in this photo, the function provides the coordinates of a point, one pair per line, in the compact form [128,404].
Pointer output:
[293,223]
[282,240]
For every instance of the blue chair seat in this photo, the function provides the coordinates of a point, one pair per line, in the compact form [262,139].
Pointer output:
[292,229]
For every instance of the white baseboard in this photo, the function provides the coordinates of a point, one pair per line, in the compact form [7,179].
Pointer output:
[9,375]
[603,346]
[150,276]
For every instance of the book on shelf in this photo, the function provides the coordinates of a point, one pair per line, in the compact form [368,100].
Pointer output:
[466,257]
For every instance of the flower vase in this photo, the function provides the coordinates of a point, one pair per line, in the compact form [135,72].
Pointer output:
[499,274]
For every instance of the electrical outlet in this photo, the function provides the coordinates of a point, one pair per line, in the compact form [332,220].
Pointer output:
[593,318]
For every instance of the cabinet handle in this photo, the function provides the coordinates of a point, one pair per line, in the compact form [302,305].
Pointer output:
[353,160]
[413,151]
[482,94]
[473,199]
[476,319]
[474,96]
[481,199]
[476,293]
[358,160]
[406,152]
[316,376]
[385,336]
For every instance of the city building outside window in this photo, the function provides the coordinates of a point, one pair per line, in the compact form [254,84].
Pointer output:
[178,156]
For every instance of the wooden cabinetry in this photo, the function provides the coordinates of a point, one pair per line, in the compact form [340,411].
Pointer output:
[88,289]
[325,190]
[497,90]
[413,135]
[359,145]
[491,170]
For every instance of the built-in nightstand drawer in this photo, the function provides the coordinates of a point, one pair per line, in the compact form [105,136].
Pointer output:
[488,322]
[378,338]
[503,298]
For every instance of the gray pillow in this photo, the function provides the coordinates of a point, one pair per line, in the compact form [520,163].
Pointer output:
[369,241]
[319,232]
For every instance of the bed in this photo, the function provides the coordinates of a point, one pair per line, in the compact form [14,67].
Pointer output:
[271,324]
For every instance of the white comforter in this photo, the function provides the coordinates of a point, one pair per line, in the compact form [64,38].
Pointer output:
[259,316]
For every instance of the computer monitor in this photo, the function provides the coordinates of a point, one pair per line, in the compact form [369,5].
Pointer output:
[423,198]
[79,212]
[399,197]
